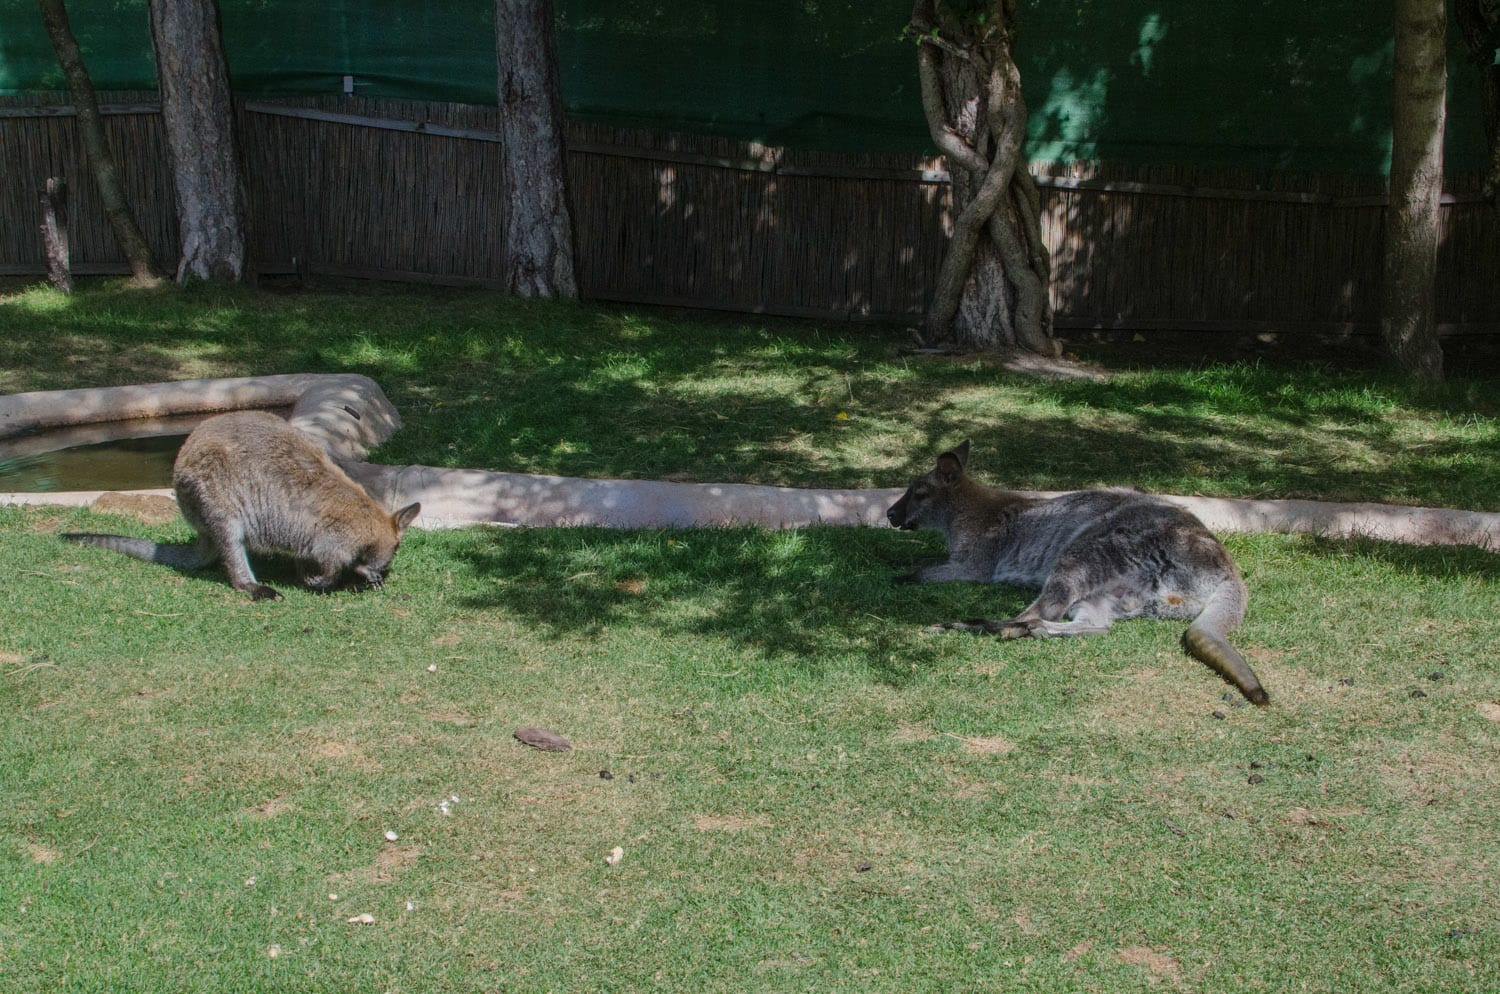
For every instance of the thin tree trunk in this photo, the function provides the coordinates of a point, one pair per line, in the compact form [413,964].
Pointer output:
[198,113]
[538,224]
[95,147]
[1408,321]
[54,198]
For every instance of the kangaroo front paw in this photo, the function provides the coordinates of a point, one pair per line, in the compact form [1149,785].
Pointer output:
[261,592]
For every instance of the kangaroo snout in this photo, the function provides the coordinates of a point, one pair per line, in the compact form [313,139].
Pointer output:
[896,515]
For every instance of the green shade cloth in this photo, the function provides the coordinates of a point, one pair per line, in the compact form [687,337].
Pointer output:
[1259,84]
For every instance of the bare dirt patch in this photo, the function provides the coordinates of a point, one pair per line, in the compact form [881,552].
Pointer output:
[459,718]
[42,854]
[344,752]
[270,809]
[392,861]
[1158,965]
[990,745]
[154,509]
[1079,951]
[729,823]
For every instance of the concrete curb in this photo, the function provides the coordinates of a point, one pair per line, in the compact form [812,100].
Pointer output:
[349,415]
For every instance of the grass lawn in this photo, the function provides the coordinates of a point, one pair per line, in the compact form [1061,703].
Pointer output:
[809,791]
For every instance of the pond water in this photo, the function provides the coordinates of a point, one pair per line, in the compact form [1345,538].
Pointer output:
[111,455]
[122,464]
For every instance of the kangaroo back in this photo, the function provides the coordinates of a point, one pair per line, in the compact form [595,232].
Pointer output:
[250,482]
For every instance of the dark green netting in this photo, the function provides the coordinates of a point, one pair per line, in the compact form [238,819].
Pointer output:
[1263,84]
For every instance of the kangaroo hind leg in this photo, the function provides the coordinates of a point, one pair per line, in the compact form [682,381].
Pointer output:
[231,545]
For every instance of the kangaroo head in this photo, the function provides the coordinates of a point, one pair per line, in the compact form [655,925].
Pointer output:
[928,502]
[374,559]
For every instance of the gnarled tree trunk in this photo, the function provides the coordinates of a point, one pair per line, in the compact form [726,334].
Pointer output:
[95,147]
[199,117]
[538,225]
[993,290]
[1407,298]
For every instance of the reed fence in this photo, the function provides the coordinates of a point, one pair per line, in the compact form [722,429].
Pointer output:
[407,190]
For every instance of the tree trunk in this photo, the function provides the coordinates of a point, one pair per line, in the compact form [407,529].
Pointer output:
[198,113]
[54,198]
[993,290]
[1407,304]
[1479,23]
[538,247]
[95,148]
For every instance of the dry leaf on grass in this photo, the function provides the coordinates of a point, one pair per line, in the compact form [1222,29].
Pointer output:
[541,738]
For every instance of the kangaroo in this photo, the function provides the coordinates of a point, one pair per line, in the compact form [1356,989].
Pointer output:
[1098,556]
[250,482]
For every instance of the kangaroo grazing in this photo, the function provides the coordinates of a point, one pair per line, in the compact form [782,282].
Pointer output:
[1098,556]
[250,482]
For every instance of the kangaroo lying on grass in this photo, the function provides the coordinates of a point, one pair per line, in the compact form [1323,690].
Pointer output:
[1098,556]
[250,482]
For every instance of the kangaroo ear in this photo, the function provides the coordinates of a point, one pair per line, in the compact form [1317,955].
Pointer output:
[405,516]
[949,469]
[951,465]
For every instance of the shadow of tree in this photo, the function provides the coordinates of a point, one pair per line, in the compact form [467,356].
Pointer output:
[1447,562]
[484,381]
[800,597]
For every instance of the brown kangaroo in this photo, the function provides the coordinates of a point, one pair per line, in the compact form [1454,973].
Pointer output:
[250,482]
[1098,556]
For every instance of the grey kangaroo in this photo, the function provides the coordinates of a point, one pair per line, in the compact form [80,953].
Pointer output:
[250,482]
[1098,556]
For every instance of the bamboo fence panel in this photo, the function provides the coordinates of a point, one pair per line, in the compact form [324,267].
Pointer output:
[411,190]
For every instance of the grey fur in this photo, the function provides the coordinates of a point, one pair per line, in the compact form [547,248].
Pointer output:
[250,482]
[1098,556]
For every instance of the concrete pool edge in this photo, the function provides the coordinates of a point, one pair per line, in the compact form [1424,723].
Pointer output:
[349,415]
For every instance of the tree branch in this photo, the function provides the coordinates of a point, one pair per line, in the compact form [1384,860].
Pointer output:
[936,113]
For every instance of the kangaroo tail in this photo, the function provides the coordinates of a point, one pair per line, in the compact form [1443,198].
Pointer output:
[1206,640]
[185,556]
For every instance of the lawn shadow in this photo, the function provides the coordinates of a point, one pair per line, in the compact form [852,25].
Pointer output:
[485,381]
[798,597]
[1437,562]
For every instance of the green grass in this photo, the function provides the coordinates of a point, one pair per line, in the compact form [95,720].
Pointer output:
[482,381]
[811,792]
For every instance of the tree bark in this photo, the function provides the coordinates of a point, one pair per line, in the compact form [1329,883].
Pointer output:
[993,289]
[538,248]
[95,147]
[1479,23]
[1408,323]
[54,198]
[198,113]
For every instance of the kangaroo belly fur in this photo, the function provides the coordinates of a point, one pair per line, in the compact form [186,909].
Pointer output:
[1097,556]
[250,482]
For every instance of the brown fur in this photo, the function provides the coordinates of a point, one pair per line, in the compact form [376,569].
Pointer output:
[1098,556]
[250,482]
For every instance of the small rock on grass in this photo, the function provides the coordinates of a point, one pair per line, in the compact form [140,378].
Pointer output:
[541,738]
